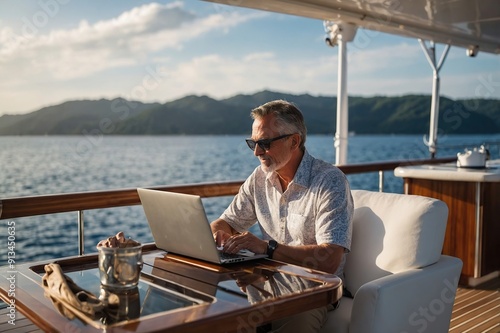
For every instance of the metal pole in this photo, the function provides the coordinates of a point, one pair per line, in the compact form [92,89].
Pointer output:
[342,106]
[430,53]
[81,248]
[381,180]
[434,114]
[339,34]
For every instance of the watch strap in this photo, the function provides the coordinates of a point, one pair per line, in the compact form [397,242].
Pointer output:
[271,246]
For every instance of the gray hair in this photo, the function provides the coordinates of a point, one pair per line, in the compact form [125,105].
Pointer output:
[288,117]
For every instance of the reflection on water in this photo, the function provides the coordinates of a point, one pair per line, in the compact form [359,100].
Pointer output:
[47,165]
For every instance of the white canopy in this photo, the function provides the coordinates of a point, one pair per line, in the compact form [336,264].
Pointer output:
[464,23]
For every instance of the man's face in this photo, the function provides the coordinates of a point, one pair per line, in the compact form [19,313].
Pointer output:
[279,153]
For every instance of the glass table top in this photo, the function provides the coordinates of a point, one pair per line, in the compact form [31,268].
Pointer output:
[144,300]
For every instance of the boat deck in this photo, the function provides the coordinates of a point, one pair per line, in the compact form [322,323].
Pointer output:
[476,310]
[23,324]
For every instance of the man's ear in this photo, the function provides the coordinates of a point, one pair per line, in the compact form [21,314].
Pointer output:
[296,140]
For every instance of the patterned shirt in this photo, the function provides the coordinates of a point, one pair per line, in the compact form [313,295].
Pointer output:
[316,208]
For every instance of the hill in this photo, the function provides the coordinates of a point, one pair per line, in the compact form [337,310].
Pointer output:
[73,117]
[204,115]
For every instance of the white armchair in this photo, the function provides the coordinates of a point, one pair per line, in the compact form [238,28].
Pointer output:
[400,281]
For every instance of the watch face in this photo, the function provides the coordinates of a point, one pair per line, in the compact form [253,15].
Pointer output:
[271,246]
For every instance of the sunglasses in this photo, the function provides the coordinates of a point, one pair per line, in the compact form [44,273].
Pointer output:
[264,143]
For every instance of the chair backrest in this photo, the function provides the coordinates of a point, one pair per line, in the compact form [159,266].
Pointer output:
[392,233]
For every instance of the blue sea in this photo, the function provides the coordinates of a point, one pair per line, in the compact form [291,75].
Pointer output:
[63,164]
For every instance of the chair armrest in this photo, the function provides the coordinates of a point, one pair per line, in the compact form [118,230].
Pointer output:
[417,300]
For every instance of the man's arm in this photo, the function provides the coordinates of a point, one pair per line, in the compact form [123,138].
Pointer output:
[323,257]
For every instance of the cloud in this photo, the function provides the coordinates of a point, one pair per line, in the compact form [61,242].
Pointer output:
[372,60]
[222,76]
[119,42]
[389,70]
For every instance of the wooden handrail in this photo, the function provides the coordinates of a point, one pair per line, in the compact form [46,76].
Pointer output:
[391,165]
[70,202]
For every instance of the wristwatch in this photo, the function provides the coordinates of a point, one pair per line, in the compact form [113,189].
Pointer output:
[271,246]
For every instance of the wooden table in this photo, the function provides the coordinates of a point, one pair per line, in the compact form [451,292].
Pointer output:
[177,294]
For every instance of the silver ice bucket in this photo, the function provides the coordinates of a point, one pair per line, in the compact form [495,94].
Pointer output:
[120,268]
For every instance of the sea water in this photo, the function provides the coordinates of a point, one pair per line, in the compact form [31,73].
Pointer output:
[64,164]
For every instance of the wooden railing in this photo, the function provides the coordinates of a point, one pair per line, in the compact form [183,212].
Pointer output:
[70,202]
[80,202]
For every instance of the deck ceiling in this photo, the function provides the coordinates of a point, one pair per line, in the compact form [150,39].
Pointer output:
[464,23]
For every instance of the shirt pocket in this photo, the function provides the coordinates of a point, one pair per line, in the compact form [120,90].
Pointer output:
[298,230]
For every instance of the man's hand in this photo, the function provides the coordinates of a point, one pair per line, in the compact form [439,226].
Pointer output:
[244,241]
[220,237]
[233,241]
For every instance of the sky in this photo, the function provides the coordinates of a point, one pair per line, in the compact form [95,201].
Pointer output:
[52,51]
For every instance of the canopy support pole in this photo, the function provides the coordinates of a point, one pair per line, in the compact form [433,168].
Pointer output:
[339,34]
[341,135]
[430,53]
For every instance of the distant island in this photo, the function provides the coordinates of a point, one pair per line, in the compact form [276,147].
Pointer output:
[202,115]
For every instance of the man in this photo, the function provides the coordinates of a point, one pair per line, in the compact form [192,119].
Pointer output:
[303,205]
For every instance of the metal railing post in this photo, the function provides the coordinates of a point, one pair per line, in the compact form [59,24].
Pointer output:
[381,180]
[81,248]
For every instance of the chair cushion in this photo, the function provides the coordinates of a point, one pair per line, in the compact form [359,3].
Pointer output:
[391,233]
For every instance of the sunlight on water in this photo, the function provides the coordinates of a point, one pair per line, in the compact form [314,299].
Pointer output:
[48,165]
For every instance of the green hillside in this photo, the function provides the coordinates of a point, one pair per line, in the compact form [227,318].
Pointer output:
[204,115]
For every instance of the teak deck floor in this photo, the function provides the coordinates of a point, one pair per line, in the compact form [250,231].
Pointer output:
[22,324]
[476,310]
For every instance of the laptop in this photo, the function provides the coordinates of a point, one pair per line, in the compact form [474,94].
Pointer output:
[179,225]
